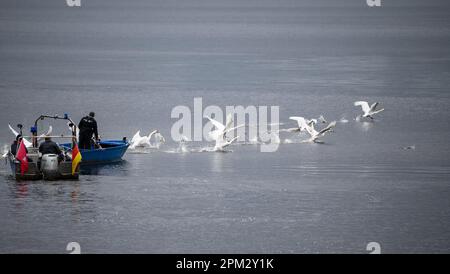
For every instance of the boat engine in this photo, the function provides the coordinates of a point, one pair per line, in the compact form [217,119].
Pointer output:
[49,166]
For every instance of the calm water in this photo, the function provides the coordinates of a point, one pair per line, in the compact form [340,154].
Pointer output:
[133,62]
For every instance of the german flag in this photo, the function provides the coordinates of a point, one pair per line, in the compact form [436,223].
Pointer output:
[76,157]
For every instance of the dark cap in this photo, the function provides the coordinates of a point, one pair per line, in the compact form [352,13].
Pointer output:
[92,114]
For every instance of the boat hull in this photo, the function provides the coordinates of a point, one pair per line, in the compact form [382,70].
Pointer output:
[64,171]
[111,151]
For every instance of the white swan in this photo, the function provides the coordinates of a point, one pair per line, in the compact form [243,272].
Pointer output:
[219,134]
[309,127]
[303,124]
[182,144]
[25,141]
[369,111]
[316,134]
[145,141]
[159,140]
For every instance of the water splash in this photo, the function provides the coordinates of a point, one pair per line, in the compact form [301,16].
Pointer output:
[343,120]
[5,150]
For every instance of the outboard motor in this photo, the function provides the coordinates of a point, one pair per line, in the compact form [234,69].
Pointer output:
[49,166]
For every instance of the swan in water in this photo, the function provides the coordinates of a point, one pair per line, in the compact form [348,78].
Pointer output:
[145,141]
[219,134]
[159,140]
[308,126]
[25,141]
[316,134]
[182,147]
[302,123]
[343,120]
[369,111]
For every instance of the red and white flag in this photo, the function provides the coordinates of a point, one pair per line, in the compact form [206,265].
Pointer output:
[22,157]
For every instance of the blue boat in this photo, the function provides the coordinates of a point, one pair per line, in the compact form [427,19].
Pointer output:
[109,151]
[50,167]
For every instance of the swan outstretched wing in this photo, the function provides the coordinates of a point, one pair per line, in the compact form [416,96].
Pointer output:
[292,129]
[229,121]
[25,141]
[300,121]
[151,134]
[136,137]
[49,131]
[328,128]
[233,128]
[13,130]
[364,105]
[373,106]
[218,125]
[311,122]
[377,111]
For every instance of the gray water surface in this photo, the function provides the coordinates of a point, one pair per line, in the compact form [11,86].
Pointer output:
[133,61]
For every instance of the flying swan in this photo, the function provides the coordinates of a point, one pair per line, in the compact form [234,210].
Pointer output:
[25,141]
[145,141]
[369,111]
[220,132]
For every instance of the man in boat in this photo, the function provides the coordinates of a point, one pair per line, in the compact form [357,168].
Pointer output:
[87,127]
[15,145]
[50,147]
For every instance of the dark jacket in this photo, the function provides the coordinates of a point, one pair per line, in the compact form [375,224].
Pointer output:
[87,127]
[14,148]
[49,147]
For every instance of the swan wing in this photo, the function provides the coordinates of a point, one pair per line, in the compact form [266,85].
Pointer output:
[364,105]
[328,128]
[151,134]
[377,111]
[229,121]
[373,106]
[49,131]
[13,130]
[136,137]
[27,143]
[300,121]
[233,128]
[311,122]
[218,125]
[292,129]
